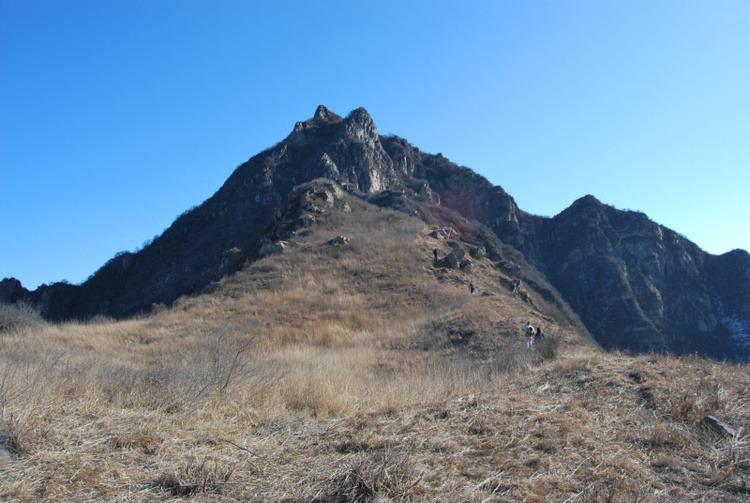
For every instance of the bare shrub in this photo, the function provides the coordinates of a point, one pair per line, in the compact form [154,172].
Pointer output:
[613,489]
[11,434]
[547,347]
[513,356]
[384,475]
[177,377]
[210,475]
[688,405]
[24,377]
[19,315]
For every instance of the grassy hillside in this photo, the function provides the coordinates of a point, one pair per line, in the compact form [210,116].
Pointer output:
[358,372]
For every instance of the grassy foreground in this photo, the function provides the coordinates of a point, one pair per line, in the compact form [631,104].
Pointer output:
[101,411]
[358,373]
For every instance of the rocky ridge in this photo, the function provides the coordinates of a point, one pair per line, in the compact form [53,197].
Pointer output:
[634,283]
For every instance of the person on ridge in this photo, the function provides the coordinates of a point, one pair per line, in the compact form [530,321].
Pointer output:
[530,331]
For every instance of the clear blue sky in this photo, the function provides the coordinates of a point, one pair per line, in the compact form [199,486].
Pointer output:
[116,116]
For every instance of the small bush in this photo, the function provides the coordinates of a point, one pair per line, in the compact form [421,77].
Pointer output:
[177,377]
[10,435]
[383,476]
[20,315]
[208,476]
[547,347]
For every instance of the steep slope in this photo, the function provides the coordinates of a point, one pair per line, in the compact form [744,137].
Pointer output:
[347,364]
[635,284]
[207,242]
[652,286]
[382,261]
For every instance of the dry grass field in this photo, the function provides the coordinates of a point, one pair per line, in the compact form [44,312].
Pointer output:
[357,373]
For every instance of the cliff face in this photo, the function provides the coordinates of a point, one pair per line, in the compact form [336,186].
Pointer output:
[210,240]
[729,278]
[635,284]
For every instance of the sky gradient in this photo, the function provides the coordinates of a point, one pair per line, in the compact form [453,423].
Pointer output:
[117,116]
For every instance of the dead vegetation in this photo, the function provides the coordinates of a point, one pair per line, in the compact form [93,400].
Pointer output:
[358,373]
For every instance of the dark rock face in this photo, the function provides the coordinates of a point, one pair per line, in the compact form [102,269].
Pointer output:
[641,284]
[635,284]
[194,250]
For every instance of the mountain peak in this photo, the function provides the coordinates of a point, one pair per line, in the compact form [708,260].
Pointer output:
[587,203]
[323,114]
[587,200]
[322,119]
[632,287]
[360,115]
[359,125]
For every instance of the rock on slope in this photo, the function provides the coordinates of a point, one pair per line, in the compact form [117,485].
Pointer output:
[635,284]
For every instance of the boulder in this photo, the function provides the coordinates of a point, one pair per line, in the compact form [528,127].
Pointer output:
[5,457]
[269,247]
[477,252]
[457,249]
[338,241]
[451,261]
[718,426]
[233,259]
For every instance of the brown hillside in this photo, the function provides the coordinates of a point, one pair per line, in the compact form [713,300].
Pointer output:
[359,370]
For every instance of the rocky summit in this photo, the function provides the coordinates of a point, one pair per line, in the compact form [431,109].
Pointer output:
[634,284]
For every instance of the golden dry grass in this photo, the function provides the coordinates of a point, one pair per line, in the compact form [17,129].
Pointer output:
[335,374]
[306,423]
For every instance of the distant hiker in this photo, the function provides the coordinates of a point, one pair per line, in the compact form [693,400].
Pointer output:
[472,289]
[434,255]
[530,332]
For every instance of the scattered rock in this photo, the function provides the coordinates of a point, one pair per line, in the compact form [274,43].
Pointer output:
[338,241]
[489,294]
[477,252]
[467,401]
[318,196]
[508,266]
[451,261]
[457,249]
[269,247]
[233,259]
[5,457]
[456,258]
[306,220]
[719,427]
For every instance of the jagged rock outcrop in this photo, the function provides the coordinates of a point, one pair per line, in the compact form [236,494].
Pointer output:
[338,241]
[651,287]
[635,284]
[193,251]
[268,247]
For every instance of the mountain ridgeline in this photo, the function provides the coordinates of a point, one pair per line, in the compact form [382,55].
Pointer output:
[635,284]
